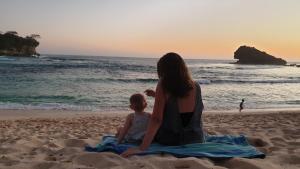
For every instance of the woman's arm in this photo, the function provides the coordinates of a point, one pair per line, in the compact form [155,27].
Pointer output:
[125,128]
[154,124]
[156,118]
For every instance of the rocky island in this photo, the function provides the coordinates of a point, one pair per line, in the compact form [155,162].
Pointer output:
[251,55]
[13,45]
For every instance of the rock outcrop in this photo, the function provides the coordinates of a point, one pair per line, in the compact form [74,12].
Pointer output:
[13,45]
[251,55]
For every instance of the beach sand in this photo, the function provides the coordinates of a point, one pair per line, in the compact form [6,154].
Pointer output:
[41,139]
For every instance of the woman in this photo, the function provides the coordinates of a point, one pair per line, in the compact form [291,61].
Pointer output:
[176,117]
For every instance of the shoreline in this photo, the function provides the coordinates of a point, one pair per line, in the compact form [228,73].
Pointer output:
[11,114]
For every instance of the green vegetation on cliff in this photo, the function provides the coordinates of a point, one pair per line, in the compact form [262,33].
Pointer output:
[13,45]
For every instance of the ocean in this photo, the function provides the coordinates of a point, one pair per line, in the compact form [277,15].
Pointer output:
[90,83]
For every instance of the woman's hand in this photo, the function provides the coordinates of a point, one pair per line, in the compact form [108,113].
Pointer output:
[150,92]
[131,151]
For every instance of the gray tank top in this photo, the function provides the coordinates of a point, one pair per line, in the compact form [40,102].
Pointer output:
[138,128]
[173,132]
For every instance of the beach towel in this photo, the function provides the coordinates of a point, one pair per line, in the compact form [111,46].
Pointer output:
[216,146]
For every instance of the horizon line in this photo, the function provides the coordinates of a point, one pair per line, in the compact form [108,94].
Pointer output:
[120,56]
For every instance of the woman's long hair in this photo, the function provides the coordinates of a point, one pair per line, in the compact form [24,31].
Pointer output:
[174,75]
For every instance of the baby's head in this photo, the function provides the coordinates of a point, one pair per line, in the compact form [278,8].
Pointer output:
[138,102]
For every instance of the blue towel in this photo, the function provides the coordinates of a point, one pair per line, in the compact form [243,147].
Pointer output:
[226,146]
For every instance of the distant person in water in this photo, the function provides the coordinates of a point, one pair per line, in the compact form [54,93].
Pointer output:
[242,105]
[136,123]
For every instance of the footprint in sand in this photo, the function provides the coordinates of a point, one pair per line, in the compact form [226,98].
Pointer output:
[257,142]
[186,163]
[278,141]
[108,160]
[238,163]
[8,161]
[75,143]
[51,165]
[4,150]
[290,159]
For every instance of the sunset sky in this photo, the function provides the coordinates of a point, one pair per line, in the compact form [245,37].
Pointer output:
[211,29]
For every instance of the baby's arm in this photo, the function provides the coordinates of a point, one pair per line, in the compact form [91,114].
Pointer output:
[150,92]
[125,128]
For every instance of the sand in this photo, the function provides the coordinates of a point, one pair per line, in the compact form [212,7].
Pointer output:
[55,140]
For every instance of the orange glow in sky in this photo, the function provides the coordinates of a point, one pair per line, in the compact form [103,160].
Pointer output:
[211,29]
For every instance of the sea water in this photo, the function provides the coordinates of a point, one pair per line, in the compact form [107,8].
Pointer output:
[105,84]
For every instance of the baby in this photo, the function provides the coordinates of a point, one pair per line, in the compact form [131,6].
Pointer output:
[136,123]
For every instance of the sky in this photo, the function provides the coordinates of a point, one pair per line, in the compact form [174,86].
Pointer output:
[211,29]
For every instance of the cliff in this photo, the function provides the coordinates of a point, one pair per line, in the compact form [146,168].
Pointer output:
[13,45]
[251,55]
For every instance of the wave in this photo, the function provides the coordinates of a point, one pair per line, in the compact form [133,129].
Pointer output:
[203,81]
[57,64]
[138,80]
[45,106]
[4,58]
[256,81]
[293,102]
[141,80]
[57,102]
[9,98]
[200,81]
[206,81]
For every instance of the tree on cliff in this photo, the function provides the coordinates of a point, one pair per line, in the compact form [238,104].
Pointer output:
[12,33]
[12,44]
[34,36]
